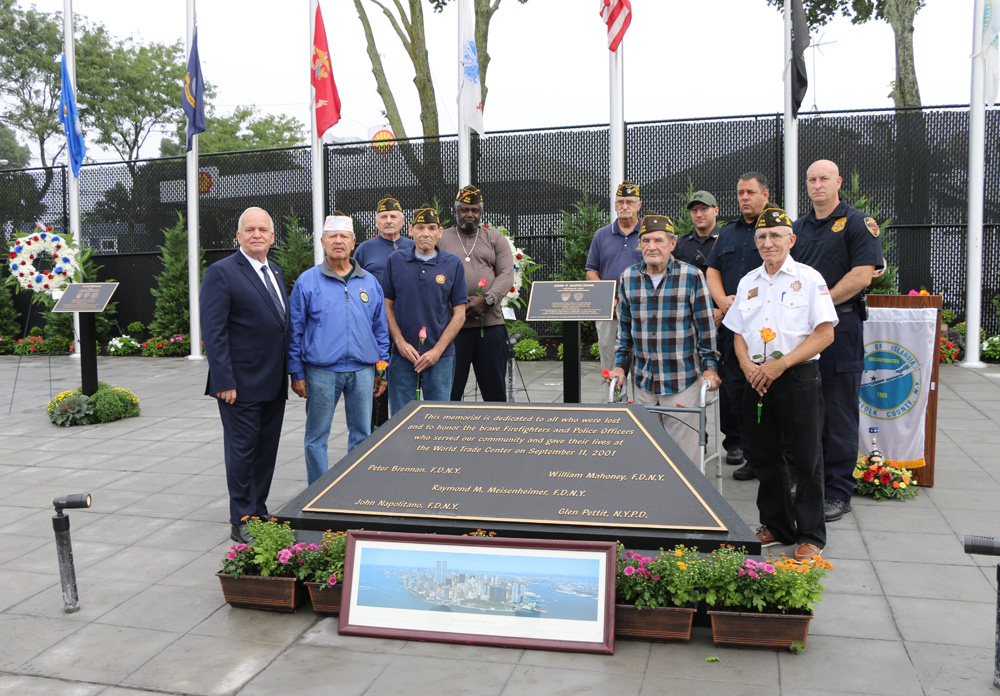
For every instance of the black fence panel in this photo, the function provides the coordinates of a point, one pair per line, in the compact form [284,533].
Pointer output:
[913,163]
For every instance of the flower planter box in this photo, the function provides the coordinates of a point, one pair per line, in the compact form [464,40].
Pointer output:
[257,592]
[733,629]
[672,624]
[325,601]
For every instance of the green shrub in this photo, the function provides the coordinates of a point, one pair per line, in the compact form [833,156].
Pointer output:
[523,328]
[58,344]
[527,349]
[30,345]
[595,350]
[164,347]
[960,330]
[113,404]
[294,251]
[948,317]
[136,328]
[172,314]
[991,349]
[10,318]
[124,345]
[7,345]
[559,351]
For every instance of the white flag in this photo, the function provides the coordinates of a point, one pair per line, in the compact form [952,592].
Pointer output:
[991,49]
[470,95]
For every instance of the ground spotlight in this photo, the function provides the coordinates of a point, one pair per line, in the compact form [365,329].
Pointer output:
[64,547]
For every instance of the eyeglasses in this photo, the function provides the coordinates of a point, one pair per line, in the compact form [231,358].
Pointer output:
[699,209]
[773,236]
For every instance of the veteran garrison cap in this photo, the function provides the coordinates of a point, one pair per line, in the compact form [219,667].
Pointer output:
[773,217]
[388,204]
[703,197]
[426,215]
[338,222]
[627,188]
[654,222]
[470,195]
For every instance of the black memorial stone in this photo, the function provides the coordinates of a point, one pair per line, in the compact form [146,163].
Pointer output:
[602,472]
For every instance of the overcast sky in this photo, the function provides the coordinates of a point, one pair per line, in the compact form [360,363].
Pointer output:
[549,59]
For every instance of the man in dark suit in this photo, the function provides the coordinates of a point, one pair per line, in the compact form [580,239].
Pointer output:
[244,323]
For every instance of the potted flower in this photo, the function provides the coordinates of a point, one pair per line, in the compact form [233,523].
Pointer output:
[322,569]
[761,604]
[263,574]
[656,596]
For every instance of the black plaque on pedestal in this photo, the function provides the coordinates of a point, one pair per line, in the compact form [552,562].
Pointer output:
[584,300]
[602,472]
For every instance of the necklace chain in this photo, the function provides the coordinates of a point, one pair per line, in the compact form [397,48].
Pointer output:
[468,254]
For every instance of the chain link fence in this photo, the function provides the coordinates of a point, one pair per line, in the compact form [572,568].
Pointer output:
[912,163]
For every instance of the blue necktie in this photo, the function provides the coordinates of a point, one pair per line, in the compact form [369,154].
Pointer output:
[273,293]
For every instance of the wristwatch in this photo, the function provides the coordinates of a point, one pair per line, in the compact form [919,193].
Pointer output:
[489,300]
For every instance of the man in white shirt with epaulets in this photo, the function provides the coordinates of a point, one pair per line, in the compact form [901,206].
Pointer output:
[784,317]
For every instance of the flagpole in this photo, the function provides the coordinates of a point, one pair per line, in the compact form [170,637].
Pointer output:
[193,201]
[73,182]
[616,130]
[977,166]
[317,154]
[791,177]
[464,136]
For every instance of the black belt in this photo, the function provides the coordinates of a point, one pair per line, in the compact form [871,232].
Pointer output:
[846,308]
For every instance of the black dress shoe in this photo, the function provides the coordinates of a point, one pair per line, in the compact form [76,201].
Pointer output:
[835,508]
[239,534]
[744,473]
[734,457]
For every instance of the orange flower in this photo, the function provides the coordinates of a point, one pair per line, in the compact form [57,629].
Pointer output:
[767,335]
[906,479]
[381,365]
[895,484]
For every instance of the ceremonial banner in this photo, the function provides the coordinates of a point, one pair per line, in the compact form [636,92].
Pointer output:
[193,99]
[76,144]
[470,94]
[327,100]
[899,360]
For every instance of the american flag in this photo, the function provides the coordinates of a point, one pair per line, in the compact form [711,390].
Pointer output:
[617,14]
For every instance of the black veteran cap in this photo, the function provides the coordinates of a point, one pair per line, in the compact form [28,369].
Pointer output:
[703,197]
[654,222]
[388,204]
[627,189]
[773,217]
[425,215]
[470,195]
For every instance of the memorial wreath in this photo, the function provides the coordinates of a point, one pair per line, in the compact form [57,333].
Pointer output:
[43,245]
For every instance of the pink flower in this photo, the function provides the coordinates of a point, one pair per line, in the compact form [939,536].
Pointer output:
[913,292]
[231,555]
[629,570]
[754,575]
[284,556]
[333,579]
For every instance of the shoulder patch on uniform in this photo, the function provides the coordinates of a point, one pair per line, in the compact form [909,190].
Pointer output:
[839,224]
[823,290]
[872,226]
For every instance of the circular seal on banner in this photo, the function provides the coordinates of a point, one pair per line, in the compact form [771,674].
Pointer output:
[891,384]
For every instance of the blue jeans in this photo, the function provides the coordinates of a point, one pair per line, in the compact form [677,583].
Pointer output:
[323,390]
[435,381]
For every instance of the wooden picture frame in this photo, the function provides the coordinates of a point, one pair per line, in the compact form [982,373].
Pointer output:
[519,593]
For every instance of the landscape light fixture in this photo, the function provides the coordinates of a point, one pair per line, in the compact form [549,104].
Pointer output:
[64,547]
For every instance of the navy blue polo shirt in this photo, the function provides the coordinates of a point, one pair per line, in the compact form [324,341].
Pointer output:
[611,252]
[373,253]
[834,245]
[735,253]
[423,293]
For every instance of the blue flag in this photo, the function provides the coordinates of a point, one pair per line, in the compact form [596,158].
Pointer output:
[71,122]
[193,99]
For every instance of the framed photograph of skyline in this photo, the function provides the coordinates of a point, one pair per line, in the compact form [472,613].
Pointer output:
[519,593]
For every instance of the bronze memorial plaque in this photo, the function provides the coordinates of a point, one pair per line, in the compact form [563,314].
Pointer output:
[563,470]
[588,300]
[85,297]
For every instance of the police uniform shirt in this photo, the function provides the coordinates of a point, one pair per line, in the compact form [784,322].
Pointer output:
[735,253]
[844,239]
[790,305]
[694,249]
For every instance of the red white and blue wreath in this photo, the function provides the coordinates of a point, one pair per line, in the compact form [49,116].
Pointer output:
[43,245]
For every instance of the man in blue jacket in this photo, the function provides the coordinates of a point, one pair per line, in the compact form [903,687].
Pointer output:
[338,334]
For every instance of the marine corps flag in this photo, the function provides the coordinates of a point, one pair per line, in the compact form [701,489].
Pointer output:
[800,41]
[193,99]
[327,102]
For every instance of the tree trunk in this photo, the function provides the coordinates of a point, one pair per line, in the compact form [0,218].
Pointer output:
[899,14]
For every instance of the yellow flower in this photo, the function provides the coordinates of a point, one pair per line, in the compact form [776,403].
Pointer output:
[681,565]
[858,473]
[678,553]
[767,335]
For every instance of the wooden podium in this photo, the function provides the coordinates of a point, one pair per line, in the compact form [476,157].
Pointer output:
[925,474]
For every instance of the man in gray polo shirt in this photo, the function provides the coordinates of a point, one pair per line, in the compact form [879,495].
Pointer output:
[614,248]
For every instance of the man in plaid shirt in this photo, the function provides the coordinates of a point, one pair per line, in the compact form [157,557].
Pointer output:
[666,324]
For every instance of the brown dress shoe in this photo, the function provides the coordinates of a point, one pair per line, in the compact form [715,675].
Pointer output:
[806,551]
[766,538]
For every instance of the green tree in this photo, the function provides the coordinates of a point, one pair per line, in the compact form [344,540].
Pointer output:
[16,154]
[294,251]
[899,14]
[172,314]
[244,129]
[578,228]
[409,28]
[10,318]
[887,283]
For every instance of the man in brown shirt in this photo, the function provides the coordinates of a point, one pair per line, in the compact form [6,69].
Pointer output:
[489,274]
